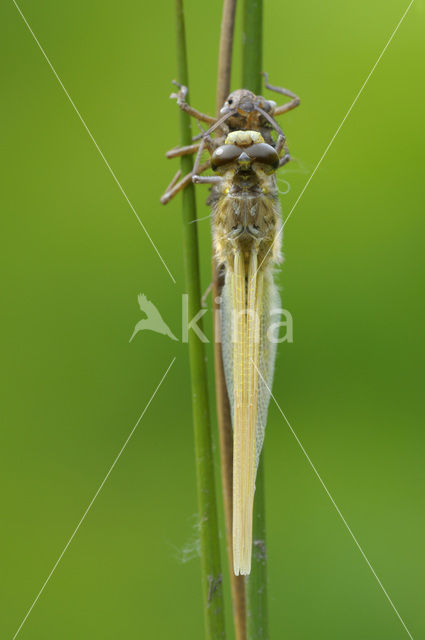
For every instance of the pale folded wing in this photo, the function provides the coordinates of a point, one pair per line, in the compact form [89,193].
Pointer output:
[248,297]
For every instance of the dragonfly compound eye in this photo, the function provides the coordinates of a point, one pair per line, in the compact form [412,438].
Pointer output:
[224,154]
[263,153]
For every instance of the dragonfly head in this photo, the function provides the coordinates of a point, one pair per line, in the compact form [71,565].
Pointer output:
[243,148]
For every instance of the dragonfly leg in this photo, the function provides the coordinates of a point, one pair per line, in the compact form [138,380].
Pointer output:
[284,159]
[218,124]
[173,181]
[198,157]
[285,92]
[175,187]
[207,143]
[177,152]
[197,179]
[281,145]
[181,101]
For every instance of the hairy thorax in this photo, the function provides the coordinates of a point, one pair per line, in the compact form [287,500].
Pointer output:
[246,216]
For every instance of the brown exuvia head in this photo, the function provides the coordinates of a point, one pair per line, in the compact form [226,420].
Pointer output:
[245,102]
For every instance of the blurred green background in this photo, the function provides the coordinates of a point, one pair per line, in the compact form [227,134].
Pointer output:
[74,259]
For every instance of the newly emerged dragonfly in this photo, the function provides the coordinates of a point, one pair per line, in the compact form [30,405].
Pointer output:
[243,110]
[247,230]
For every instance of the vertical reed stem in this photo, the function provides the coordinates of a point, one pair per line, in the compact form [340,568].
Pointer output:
[209,535]
[252,45]
[256,582]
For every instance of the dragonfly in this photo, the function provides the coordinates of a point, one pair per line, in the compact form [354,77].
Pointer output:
[246,147]
[242,110]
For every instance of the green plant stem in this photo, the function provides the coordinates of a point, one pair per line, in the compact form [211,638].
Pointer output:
[207,507]
[256,582]
[252,45]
